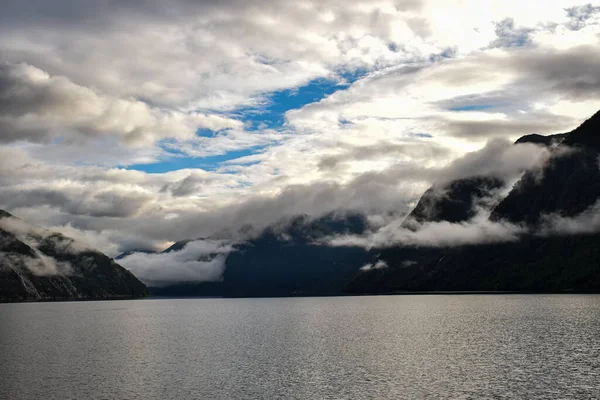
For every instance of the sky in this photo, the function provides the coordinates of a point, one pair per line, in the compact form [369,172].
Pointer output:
[130,125]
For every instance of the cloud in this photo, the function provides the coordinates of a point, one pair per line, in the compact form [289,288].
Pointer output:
[585,223]
[509,35]
[148,210]
[40,265]
[36,238]
[499,158]
[221,54]
[380,264]
[570,73]
[580,16]
[37,107]
[478,230]
[80,200]
[198,261]
[87,88]
[412,150]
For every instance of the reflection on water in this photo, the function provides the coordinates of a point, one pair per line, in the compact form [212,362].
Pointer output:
[388,347]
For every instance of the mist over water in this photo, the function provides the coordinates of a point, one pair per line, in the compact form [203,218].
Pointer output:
[388,347]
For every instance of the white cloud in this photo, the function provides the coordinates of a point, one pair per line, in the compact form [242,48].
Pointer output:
[479,230]
[584,223]
[380,264]
[198,261]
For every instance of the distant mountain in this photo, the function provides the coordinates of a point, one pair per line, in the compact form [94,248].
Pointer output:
[36,264]
[285,260]
[564,187]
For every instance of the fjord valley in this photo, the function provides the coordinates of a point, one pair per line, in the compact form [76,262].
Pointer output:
[537,233]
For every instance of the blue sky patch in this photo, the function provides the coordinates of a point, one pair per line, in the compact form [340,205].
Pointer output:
[269,116]
[472,107]
[422,135]
[209,163]
[272,115]
[204,132]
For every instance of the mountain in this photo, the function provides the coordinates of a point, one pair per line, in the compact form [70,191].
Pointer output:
[130,252]
[284,260]
[36,264]
[567,185]
[454,202]
[290,258]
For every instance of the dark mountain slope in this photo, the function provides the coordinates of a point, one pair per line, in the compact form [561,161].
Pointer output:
[586,135]
[566,186]
[285,260]
[455,201]
[533,264]
[541,139]
[36,264]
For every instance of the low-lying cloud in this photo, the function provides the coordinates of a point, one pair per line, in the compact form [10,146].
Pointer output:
[38,263]
[478,230]
[584,223]
[197,261]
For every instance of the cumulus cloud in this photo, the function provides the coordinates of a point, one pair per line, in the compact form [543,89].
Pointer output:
[580,16]
[509,35]
[198,261]
[35,106]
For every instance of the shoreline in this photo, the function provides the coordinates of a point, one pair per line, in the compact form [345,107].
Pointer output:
[421,293]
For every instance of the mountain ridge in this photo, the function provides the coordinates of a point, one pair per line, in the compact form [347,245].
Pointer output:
[566,186]
[40,265]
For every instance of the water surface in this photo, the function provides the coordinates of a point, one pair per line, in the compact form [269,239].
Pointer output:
[386,347]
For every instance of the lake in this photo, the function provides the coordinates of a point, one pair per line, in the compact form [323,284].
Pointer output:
[383,347]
